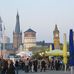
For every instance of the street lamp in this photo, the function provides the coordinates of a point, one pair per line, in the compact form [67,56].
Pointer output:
[0,35]
[0,49]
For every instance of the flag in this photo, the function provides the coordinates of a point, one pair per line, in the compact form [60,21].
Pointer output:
[71,48]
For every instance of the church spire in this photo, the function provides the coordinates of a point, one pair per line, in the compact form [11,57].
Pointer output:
[17,27]
[56,28]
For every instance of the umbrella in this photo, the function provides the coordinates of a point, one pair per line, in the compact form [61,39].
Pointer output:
[71,48]
[65,51]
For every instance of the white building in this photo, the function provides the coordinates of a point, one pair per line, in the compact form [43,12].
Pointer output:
[6,39]
[3,37]
[29,39]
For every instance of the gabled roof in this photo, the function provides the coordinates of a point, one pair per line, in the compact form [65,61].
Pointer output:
[30,30]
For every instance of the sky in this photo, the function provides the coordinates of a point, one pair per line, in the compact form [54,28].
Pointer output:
[40,15]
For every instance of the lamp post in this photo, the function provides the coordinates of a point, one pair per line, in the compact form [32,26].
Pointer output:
[3,46]
[1,54]
[0,50]
[0,35]
[3,41]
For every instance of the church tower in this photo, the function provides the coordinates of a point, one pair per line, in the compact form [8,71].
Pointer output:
[17,34]
[56,38]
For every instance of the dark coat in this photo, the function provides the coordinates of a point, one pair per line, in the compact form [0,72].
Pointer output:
[11,69]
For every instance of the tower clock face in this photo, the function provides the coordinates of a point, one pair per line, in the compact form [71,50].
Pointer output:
[56,35]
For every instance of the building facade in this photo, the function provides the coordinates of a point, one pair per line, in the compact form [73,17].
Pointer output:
[17,34]
[6,49]
[56,38]
[29,39]
[4,39]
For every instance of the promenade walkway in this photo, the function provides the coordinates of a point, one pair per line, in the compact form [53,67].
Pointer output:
[47,72]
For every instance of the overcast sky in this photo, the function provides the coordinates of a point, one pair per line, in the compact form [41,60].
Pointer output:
[40,15]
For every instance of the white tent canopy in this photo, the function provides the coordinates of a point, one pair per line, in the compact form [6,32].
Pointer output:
[25,53]
[56,52]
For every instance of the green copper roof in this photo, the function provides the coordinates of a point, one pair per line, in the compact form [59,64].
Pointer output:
[17,27]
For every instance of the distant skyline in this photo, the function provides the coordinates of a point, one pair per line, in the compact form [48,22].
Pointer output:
[39,15]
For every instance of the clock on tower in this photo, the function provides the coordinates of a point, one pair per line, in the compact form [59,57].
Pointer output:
[56,35]
[56,38]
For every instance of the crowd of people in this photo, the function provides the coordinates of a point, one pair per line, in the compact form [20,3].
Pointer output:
[7,66]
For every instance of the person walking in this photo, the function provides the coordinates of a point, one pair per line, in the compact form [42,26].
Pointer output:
[27,65]
[35,63]
[11,68]
[43,65]
[4,66]
[0,66]
[16,66]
